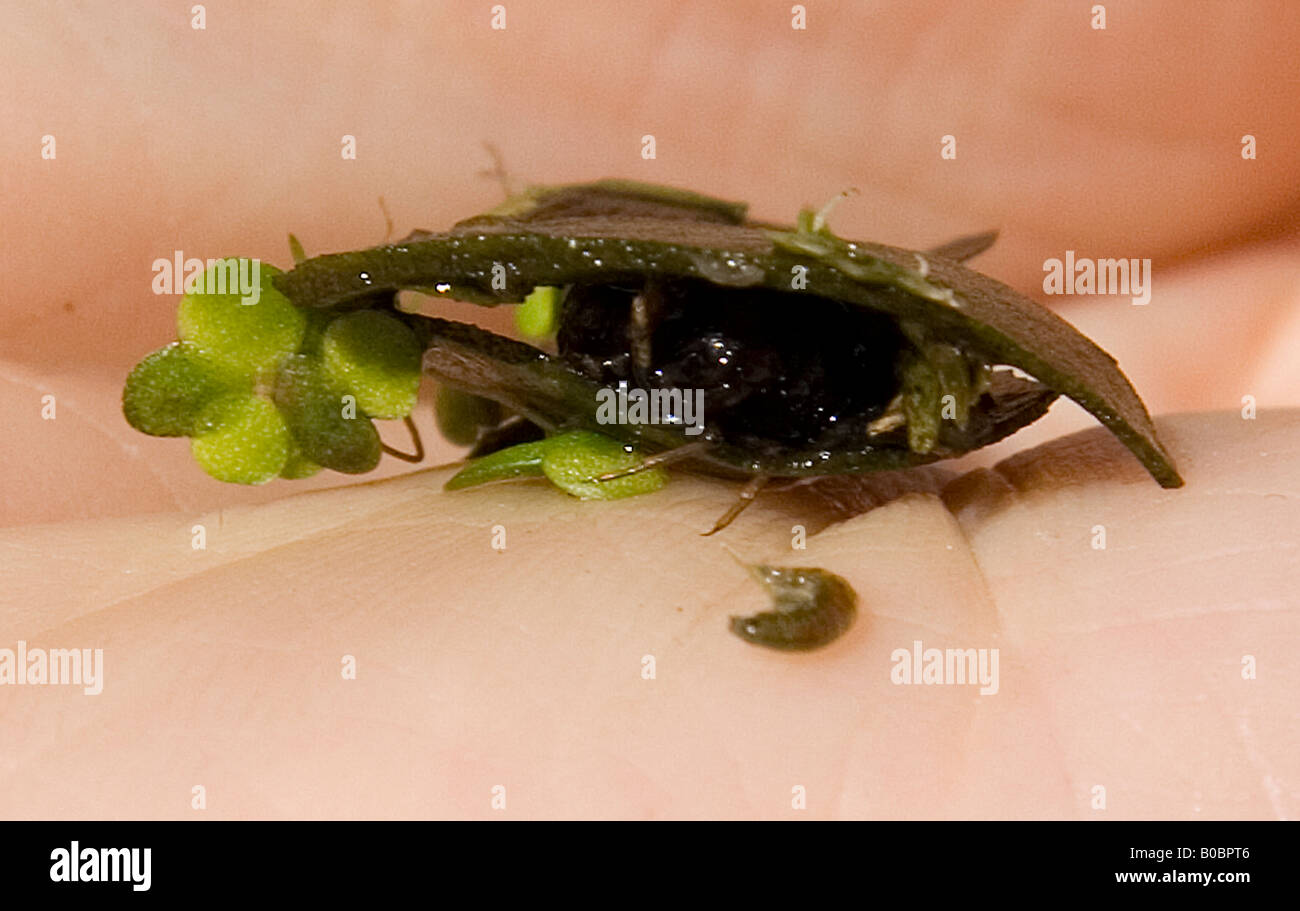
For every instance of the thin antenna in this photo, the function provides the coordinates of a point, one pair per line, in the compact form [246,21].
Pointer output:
[664,458]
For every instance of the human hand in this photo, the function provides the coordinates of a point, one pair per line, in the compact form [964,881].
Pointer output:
[523,667]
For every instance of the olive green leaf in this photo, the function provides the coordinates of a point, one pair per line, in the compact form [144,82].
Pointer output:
[571,461]
[609,231]
[329,430]
[463,418]
[165,392]
[378,357]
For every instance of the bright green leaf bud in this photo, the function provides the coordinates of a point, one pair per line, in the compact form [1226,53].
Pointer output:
[166,391]
[538,315]
[246,440]
[249,337]
[572,460]
[376,357]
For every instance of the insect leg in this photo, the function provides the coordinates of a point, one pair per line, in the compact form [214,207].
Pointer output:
[747,494]
[418,455]
[663,458]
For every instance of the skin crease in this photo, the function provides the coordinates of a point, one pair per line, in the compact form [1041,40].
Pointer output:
[1119,668]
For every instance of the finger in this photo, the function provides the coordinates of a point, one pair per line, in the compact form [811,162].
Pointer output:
[1042,105]
[1143,616]
[464,650]
[76,321]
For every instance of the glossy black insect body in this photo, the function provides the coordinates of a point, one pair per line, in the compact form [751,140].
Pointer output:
[771,383]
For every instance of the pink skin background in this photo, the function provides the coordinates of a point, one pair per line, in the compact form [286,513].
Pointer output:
[1121,669]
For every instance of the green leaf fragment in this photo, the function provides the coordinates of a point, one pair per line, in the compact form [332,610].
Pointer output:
[248,337]
[376,357]
[462,416]
[953,373]
[314,334]
[521,461]
[920,392]
[243,440]
[539,315]
[571,461]
[298,466]
[296,250]
[165,392]
[330,429]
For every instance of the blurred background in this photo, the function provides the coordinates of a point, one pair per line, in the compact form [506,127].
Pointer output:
[217,141]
